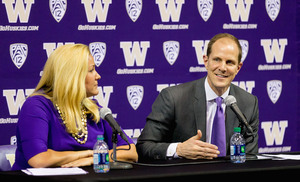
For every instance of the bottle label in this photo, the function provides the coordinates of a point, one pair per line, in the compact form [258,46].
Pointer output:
[237,150]
[101,158]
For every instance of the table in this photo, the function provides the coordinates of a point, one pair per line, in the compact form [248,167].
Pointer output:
[191,170]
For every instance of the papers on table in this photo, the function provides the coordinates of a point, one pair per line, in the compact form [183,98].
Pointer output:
[279,156]
[54,171]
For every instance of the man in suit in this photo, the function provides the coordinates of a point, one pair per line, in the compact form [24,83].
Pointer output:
[181,123]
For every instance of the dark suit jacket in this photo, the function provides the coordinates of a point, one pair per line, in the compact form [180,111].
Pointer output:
[179,111]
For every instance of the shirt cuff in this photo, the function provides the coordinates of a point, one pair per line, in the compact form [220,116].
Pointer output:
[171,151]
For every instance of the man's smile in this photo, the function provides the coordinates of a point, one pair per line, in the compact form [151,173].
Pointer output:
[221,76]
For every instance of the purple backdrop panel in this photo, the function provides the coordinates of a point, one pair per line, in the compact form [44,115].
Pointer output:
[141,47]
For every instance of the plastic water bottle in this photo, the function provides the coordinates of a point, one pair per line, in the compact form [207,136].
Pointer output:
[101,156]
[237,147]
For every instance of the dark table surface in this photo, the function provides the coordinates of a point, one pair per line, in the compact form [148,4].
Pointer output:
[180,169]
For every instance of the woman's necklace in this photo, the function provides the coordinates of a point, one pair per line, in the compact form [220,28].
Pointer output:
[81,136]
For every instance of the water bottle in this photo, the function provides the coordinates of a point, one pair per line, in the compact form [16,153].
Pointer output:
[101,156]
[237,147]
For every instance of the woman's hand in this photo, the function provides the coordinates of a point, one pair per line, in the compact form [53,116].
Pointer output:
[80,162]
[51,158]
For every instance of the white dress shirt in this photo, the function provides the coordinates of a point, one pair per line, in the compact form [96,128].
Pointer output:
[211,107]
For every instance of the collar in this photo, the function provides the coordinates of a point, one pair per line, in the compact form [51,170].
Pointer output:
[210,94]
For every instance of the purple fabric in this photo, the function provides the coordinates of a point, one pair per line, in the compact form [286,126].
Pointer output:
[218,137]
[39,128]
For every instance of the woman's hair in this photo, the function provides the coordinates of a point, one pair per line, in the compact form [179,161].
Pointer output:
[63,82]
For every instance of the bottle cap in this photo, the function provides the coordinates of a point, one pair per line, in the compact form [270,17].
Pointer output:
[237,129]
[100,137]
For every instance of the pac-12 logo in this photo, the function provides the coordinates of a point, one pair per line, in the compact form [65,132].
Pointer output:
[273,8]
[18,54]
[171,51]
[98,51]
[134,9]
[58,9]
[245,48]
[135,95]
[205,8]
[274,88]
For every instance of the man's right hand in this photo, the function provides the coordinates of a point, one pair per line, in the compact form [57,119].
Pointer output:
[194,148]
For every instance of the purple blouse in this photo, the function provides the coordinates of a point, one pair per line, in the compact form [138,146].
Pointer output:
[39,128]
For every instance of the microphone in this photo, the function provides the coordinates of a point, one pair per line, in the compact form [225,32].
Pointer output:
[231,101]
[105,113]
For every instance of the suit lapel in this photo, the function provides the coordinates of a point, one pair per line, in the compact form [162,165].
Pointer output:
[199,110]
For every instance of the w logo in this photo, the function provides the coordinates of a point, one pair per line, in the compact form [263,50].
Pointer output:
[135,52]
[15,99]
[96,8]
[239,9]
[274,131]
[200,48]
[16,9]
[274,48]
[168,8]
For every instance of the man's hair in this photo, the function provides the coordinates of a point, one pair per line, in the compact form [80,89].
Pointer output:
[224,35]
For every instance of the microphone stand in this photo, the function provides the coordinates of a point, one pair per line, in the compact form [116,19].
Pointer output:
[249,156]
[247,128]
[115,164]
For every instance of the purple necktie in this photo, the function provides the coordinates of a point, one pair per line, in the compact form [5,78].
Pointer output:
[218,136]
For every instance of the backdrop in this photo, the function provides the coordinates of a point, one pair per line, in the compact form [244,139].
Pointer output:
[143,46]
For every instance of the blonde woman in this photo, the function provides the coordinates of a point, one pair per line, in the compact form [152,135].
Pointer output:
[58,124]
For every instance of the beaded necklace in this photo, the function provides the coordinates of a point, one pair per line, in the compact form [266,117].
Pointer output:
[81,136]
